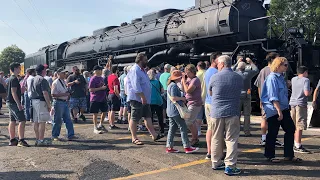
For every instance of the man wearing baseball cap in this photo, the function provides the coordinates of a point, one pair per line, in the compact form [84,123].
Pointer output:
[98,101]
[60,94]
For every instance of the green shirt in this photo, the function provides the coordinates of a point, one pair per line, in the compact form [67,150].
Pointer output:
[164,80]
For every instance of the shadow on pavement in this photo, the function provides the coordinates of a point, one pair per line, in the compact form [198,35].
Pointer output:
[32,175]
[103,170]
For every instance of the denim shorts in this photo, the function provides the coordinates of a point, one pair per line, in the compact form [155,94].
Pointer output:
[78,103]
[14,113]
[123,99]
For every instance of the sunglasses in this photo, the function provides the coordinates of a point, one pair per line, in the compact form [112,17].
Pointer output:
[286,65]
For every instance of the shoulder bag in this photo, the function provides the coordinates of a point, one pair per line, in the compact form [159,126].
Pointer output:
[183,109]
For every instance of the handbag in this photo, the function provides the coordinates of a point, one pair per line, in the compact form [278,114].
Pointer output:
[182,109]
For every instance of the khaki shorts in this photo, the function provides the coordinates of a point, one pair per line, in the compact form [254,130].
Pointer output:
[207,113]
[40,111]
[263,114]
[299,116]
[194,114]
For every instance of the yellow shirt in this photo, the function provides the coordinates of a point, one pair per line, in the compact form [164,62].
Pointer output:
[200,75]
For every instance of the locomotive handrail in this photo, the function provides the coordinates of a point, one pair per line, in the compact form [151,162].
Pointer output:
[238,16]
[257,19]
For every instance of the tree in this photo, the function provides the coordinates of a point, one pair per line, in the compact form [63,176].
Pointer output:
[297,13]
[9,55]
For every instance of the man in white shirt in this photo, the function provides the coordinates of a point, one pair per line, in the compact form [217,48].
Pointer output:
[61,111]
[28,107]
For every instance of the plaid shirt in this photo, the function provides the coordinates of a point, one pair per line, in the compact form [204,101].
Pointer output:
[226,88]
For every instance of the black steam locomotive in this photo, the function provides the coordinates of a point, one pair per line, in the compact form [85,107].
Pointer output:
[182,36]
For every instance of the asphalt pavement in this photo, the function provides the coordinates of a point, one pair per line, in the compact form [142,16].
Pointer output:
[112,156]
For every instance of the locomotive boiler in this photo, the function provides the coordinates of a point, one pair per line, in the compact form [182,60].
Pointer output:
[183,36]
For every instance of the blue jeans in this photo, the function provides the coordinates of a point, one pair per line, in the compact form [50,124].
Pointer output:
[61,112]
[27,106]
[175,123]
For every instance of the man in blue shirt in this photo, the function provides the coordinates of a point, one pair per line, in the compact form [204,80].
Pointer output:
[139,95]
[208,74]
[225,89]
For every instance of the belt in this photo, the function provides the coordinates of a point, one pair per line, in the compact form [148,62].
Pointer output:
[61,100]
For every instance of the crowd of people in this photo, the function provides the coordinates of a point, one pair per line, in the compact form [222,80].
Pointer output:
[215,93]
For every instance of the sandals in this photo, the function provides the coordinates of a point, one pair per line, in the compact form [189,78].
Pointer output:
[137,142]
[274,160]
[292,160]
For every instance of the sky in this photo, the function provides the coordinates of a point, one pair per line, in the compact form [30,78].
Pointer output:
[32,24]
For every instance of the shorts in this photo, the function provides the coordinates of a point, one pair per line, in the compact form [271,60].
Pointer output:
[263,114]
[138,111]
[78,103]
[114,102]
[299,116]
[129,108]
[207,113]
[194,113]
[14,113]
[123,99]
[95,107]
[201,114]
[40,111]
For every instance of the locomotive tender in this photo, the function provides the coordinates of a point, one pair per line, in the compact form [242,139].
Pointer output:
[182,36]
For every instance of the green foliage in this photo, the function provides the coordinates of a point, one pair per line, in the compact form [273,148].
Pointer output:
[10,54]
[298,12]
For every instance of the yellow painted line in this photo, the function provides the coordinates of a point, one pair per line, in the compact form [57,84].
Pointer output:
[52,148]
[164,169]
[129,137]
[187,164]
[252,150]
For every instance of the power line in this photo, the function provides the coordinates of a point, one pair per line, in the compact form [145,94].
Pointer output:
[13,30]
[28,18]
[39,16]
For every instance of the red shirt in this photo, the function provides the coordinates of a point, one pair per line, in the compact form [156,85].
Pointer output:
[112,82]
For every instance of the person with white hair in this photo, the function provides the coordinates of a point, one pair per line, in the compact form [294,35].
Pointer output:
[225,88]
[247,73]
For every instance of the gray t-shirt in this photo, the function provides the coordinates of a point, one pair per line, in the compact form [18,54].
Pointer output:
[38,85]
[174,91]
[262,76]
[299,85]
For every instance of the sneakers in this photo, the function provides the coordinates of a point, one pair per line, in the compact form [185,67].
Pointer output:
[171,150]
[208,157]
[72,138]
[13,142]
[82,117]
[23,143]
[113,127]
[42,143]
[119,121]
[97,131]
[279,144]
[262,142]
[301,149]
[220,167]
[55,139]
[102,128]
[232,171]
[191,149]
[141,128]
